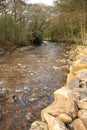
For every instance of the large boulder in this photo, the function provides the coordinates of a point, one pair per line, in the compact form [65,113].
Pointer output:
[78,125]
[65,103]
[65,94]
[82,114]
[54,123]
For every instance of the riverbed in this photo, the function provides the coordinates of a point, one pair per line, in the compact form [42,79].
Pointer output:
[28,78]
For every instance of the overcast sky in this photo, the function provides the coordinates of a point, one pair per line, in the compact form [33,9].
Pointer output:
[48,2]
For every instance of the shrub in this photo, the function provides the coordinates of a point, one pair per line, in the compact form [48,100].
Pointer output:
[37,38]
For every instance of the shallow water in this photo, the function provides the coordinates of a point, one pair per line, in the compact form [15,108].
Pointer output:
[28,79]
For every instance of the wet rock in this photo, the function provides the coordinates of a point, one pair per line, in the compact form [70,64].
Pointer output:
[31,100]
[1,82]
[29,116]
[39,126]
[3,90]
[54,123]
[15,98]
[63,61]
[18,90]
[31,74]
[81,91]
[82,114]
[10,99]
[26,88]
[44,94]
[56,67]
[65,118]
[19,64]
[46,88]
[78,125]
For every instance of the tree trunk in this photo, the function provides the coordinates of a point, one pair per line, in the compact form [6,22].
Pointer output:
[83,29]
[5,27]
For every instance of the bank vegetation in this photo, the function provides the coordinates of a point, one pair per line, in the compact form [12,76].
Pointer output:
[22,23]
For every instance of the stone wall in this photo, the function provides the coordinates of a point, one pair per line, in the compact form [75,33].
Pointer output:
[69,109]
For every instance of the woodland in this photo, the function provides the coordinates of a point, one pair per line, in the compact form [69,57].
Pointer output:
[24,24]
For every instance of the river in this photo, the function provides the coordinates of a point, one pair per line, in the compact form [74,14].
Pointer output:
[28,78]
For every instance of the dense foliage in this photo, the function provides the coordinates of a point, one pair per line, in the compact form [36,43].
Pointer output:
[69,21]
[21,23]
[24,24]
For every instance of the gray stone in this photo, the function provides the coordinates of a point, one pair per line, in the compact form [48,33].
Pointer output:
[82,75]
[32,100]
[74,83]
[83,60]
[71,125]
[81,91]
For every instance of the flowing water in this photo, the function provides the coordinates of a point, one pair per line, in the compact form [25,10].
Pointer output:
[28,79]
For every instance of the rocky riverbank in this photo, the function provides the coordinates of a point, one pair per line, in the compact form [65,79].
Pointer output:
[69,109]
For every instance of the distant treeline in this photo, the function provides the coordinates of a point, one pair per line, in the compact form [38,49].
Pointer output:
[24,24]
